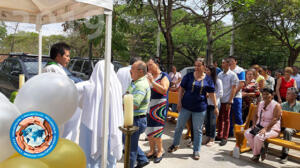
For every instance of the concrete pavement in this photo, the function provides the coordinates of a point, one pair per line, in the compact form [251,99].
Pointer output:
[210,157]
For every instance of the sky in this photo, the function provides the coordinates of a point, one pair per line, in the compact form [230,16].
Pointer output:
[57,29]
[47,30]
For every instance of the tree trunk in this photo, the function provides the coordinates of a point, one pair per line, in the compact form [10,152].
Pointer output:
[232,37]
[13,39]
[170,50]
[209,46]
[90,50]
[293,56]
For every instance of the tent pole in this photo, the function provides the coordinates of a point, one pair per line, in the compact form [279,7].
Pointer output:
[106,104]
[39,29]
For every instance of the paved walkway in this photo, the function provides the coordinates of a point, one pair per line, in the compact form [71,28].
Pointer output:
[210,157]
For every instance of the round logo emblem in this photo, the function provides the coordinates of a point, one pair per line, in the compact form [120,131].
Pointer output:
[34,134]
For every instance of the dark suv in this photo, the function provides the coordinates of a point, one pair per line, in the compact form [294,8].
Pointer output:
[83,67]
[15,64]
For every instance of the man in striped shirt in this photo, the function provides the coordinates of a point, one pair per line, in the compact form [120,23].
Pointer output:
[141,92]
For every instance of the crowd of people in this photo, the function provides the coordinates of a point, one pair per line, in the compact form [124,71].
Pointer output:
[211,98]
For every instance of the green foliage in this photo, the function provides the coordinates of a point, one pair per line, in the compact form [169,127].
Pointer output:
[3,32]
[27,42]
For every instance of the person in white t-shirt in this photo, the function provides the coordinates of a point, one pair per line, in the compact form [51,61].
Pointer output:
[124,76]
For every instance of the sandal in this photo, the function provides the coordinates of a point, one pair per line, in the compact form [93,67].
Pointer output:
[255,158]
[172,148]
[196,156]
[150,156]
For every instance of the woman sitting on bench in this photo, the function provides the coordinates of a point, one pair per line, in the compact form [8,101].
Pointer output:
[267,119]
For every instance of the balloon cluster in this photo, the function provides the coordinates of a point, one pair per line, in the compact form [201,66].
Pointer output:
[50,93]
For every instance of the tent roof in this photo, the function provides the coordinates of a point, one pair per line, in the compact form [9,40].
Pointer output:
[51,11]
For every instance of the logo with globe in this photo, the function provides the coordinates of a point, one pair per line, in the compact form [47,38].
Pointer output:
[34,134]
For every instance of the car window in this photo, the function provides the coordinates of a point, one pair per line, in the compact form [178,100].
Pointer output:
[71,63]
[16,66]
[7,66]
[32,67]
[86,66]
[77,66]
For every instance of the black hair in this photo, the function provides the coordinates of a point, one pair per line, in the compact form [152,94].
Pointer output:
[58,48]
[268,90]
[232,57]
[134,59]
[156,60]
[213,73]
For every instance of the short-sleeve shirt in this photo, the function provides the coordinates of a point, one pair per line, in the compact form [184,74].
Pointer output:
[174,78]
[228,79]
[194,98]
[240,72]
[270,83]
[296,108]
[141,92]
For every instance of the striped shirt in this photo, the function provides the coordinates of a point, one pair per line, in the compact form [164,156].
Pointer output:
[141,92]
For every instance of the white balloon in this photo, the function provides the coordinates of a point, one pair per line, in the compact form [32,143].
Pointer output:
[8,113]
[3,97]
[50,93]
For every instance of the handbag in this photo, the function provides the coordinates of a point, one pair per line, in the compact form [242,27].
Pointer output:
[257,127]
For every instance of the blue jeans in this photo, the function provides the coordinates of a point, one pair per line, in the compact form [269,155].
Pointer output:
[136,153]
[210,125]
[236,111]
[197,119]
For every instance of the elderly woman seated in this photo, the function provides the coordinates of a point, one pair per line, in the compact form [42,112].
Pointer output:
[267,119]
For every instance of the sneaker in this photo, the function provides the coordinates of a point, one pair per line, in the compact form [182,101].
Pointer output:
[196,156]
[223,142]
[218,139]
[141,165]
[172,148]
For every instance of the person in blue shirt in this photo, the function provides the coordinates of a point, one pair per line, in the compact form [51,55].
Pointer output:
[236,108]
[218,70]
[192,101]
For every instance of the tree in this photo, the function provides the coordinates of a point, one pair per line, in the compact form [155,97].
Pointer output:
[210,13]
[163,11]
[281,19]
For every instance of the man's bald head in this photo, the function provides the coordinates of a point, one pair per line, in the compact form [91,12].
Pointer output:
[138,70]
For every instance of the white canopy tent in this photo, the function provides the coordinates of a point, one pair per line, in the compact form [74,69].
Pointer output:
[41,12]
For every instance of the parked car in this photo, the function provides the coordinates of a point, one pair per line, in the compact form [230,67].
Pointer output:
[21,63]
[187,70]
[15,64]
[83,67]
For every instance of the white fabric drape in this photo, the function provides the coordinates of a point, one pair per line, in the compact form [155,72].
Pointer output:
[92,112]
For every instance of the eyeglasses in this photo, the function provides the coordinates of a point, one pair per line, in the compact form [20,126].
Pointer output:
[201,88]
